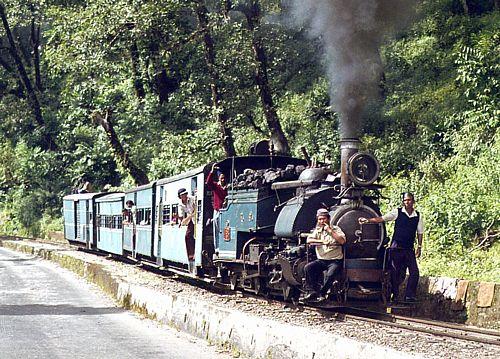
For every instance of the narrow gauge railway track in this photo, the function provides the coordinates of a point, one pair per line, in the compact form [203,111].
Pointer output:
[431,327]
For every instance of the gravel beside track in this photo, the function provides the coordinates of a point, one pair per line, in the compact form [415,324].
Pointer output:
[404,340]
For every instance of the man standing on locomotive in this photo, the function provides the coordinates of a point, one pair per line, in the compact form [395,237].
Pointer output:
[328,241]
[219,192]
[402,254]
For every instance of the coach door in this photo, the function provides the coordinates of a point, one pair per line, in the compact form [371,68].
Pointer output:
[129,225]
[69,212]
[162,218]
[83,228]
[90,224]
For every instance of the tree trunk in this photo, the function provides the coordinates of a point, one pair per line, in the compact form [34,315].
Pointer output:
[227,5]
[217,106]
[496,4]
[382,79]
[32,96]
[164,84]
[135,172]
[136,76]
[35,44]
[465,6]
[278,138]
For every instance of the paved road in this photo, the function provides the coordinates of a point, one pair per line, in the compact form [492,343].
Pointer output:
[48,312]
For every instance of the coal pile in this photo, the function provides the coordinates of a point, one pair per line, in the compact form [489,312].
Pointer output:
[266,177]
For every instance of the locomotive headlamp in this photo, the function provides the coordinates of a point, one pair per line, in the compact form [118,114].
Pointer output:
[363,169]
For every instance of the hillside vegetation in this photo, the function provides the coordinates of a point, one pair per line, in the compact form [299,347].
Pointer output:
[119,92]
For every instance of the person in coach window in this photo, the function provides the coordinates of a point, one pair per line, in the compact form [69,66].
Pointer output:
[409,224]
[187,209]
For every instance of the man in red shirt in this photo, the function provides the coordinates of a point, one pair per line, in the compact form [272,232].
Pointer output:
[219,192]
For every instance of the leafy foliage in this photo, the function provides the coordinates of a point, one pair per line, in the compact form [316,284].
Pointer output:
[435,129]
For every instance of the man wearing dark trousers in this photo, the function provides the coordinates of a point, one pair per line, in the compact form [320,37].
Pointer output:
[328,241]
[402,254]
[219,192]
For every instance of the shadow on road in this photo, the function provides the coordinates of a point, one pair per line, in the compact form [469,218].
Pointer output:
[59,309]
[18,259]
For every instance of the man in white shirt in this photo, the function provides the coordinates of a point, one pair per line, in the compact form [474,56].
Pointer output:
[187,207]
[409,224]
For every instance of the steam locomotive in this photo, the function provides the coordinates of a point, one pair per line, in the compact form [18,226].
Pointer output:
[260,245]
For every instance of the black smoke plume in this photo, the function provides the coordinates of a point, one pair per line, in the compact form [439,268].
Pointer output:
[352,32]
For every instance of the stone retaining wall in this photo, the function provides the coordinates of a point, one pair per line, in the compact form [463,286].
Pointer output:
[462,301]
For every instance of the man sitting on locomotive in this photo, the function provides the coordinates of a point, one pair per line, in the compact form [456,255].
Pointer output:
[328,241]
[402,255]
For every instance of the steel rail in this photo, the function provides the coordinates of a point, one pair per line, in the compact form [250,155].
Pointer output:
[453,326]
[463,333]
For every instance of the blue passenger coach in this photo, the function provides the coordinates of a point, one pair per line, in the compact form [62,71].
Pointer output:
[138,227]
[79,218]
[169,235]
[109,223]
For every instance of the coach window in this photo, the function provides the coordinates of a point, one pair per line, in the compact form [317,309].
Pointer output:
[166,214]
[175,214]
[198,211]
[147,215]
[144,216]
[139,215]
[117,222]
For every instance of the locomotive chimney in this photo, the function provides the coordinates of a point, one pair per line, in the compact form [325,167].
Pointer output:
[348,147]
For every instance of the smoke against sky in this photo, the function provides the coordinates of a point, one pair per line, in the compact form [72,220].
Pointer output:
[352,32]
